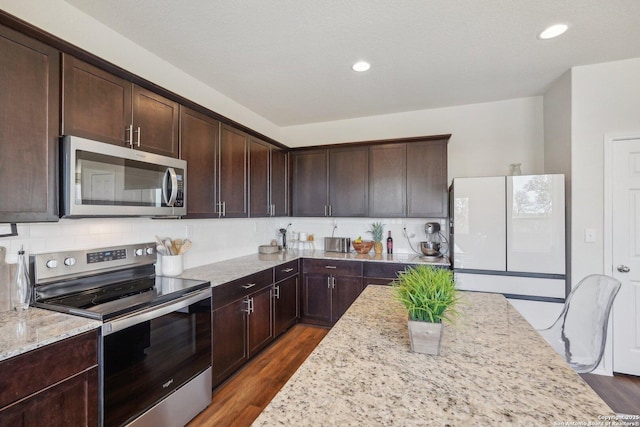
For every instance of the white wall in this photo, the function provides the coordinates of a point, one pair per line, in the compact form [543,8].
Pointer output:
[70,24]
[485,138]
[605,100]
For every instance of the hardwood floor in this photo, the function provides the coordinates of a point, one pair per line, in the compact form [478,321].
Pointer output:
[239,401]
[621,392]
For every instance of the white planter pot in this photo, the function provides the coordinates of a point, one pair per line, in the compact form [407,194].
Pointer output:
[425,337]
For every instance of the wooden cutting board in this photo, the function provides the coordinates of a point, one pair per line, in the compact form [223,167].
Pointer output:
[5,281]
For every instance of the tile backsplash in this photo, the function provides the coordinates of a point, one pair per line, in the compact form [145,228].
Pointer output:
[213,239]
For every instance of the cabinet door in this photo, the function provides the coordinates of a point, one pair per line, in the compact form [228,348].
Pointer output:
[96,104]
[387,180]
[29,128]
[427,194]
[349,181]
[345,292]
[73,402]
[260,321]
[316,299]
[155,123]
[229,339]
[278,182]
[199,142]
[285,304]
[259,203]
[233,172]
[309,184]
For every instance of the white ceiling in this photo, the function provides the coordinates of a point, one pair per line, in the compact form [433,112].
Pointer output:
[289,60]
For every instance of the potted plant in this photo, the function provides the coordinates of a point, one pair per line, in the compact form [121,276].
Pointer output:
[430,296]
[377,230]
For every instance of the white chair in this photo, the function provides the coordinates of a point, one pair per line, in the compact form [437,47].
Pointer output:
[580,332]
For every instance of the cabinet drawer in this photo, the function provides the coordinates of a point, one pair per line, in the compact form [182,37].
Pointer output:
[384,270]
[286,270]
[239,288]
[23,375]
[336,268]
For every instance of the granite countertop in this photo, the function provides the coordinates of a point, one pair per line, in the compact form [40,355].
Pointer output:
[235,268]
[494,369]
[24,331]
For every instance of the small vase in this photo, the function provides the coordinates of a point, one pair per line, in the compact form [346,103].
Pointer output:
[377,247]
[425,337]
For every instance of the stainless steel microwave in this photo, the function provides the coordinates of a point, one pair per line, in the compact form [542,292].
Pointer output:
[102,180]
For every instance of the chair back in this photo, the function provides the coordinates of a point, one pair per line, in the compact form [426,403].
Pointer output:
[583,322]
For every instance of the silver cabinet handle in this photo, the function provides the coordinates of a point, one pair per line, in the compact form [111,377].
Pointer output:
[249,285]
[224,208]
[276,292]
[623,269]
[325,210]
[249,308]
[329,282]
[333,282]
[129,140]
[138,138]
[330,211]
[287,270]
[330,267]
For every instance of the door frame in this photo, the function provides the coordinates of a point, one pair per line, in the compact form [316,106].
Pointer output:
[606,366]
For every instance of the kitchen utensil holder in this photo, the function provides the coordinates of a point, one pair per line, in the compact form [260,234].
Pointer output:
[171,265]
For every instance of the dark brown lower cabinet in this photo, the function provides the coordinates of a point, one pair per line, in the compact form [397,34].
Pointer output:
[55,385]
[328,289]
[242,322]
[285,304]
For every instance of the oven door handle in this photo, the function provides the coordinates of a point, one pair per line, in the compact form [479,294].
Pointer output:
[155,312]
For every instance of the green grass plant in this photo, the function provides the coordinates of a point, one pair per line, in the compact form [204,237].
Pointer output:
[429,294]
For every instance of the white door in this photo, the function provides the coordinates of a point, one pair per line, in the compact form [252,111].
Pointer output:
[479,223]
[626,254]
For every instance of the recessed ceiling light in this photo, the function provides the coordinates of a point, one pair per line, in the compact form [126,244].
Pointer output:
[361,66]
[553,31]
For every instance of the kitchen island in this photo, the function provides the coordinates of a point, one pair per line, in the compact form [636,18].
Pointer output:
[494,369]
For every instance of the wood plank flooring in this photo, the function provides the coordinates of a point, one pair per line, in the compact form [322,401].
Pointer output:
[621,392]
[239,401]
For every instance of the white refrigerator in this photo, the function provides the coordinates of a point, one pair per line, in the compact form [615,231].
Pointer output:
[508,235]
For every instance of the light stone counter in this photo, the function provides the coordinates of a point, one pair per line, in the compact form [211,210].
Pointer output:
[494,369]
[235,268]
[24,331]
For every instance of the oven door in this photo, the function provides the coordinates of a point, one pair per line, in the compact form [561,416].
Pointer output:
[151,355]
[106,180]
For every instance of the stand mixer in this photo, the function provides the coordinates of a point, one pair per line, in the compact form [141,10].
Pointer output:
[431,248]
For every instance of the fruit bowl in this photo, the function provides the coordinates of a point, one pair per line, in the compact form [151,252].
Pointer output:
[363,246]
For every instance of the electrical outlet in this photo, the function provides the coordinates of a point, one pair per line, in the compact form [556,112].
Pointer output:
[590,235]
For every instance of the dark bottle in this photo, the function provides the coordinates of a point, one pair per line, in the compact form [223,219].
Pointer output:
[389,244]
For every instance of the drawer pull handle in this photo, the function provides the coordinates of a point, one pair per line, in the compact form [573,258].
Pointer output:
[248,285]
[287,270]
[332,267]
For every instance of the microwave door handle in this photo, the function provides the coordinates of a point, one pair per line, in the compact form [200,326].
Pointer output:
[170,173]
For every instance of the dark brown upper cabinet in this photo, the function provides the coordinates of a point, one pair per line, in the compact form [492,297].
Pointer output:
[101,106]
[199,147]
[349,181]
[330,182]
[279,182]
[267,179]
[259,201]
[29,129]
[388,180]
[309,183]
[427,195]
[232,177]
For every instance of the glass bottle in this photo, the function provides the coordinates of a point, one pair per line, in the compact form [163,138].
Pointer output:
[21,284]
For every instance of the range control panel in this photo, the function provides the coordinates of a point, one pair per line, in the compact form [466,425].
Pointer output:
[54,266]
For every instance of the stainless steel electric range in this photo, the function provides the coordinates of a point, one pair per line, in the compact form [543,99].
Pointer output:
[156,334]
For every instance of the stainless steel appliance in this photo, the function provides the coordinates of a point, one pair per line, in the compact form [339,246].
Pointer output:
[337,244]
[104,180]
[432,246]
[155,361]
